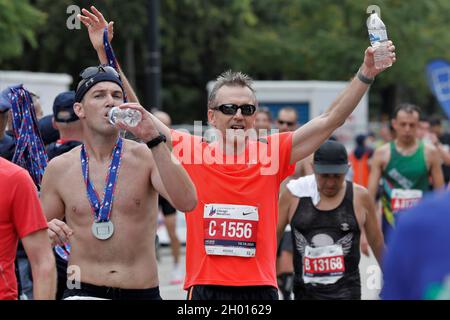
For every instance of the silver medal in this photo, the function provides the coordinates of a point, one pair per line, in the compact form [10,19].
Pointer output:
[103,230]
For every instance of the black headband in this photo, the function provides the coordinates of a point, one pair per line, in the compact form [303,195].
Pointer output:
[86,84]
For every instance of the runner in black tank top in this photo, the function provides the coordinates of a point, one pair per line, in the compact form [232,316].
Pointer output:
[327,215]
[325,239]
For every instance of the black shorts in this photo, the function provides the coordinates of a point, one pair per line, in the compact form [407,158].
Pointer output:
[212,292]
[61,271]
[166,207]
[89,290]
[285,243]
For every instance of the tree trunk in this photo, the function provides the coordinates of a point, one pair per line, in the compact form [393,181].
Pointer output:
[130,62]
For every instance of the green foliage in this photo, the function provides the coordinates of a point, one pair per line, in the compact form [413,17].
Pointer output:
[325,40]
[283,39]
[19,21]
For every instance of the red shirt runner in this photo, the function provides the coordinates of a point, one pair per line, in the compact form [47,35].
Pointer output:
[20,215]
[231,234]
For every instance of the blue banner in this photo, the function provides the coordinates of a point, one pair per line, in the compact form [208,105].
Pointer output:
[438,76]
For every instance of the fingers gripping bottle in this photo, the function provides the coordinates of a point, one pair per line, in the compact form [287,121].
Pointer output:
[379,41]
[130,117]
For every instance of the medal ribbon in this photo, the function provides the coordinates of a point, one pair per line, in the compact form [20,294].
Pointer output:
[30,151]
[112,61]
[102,210]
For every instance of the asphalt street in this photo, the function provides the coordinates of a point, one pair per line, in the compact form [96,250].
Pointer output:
[369,269]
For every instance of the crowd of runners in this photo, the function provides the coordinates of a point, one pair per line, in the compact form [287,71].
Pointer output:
[288,211]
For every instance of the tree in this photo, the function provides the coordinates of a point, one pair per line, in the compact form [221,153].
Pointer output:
[18,22]
[269,40]
[325,40]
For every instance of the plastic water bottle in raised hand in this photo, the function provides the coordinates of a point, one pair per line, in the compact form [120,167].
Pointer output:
[379,41]
[130,117]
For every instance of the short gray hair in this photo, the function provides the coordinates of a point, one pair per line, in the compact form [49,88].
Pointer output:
[231,79]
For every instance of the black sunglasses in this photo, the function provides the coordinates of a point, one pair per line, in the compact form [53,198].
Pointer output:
[289,123]
[90,72]
[231,109]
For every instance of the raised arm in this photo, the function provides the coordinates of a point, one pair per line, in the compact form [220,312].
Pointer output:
[95,24]
[309,137]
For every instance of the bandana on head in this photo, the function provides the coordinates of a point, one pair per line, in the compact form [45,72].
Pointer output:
[89,83]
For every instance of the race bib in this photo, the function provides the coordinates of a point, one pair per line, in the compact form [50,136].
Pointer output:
[404,199]
[230,230]
[323,265]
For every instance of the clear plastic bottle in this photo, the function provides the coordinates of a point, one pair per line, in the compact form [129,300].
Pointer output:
[379,41]
[130,117]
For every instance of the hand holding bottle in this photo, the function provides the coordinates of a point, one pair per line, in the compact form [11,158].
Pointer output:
[379,41]
[134,118]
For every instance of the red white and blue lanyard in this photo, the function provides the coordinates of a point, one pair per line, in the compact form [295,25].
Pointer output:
[30,151]
[102,210]
[112,61]
[63,251]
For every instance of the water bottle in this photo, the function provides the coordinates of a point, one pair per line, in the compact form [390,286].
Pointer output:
[130,117]
[379,41]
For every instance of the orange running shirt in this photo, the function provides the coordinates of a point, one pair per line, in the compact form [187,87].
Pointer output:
[240,184]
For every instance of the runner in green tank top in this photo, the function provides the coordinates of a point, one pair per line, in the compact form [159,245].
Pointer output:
[404,181]
[404,166]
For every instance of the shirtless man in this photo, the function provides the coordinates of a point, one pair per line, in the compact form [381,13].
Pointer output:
[115,256]
[404,166]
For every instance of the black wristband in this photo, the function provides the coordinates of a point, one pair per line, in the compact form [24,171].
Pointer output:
[363,78]
[155,141]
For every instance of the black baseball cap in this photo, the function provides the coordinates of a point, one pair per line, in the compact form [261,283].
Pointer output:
[63,107]
[331,158]
[48,133]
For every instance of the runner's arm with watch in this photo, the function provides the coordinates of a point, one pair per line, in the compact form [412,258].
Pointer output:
[168,176]
[309,137]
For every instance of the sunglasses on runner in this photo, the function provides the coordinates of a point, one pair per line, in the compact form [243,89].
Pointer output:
[231,109]
[90,72]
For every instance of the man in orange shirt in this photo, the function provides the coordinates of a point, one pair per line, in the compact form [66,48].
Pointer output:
[231,239]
